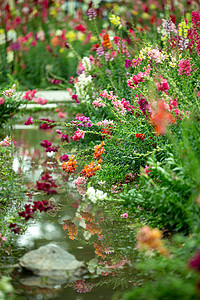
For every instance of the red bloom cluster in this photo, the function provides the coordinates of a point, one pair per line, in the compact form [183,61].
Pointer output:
[47,184]
[140,136]
[15,228]
[70,166]
[49,147]
[47,125]
[29,211]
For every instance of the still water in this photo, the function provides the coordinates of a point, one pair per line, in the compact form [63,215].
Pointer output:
[102,239]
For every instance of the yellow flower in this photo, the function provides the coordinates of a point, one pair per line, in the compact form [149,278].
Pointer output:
[71,36]
[115,20]
[61,50]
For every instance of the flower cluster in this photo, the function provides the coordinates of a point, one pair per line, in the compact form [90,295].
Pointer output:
[2,239]
[70,166]
[48,124]
[49,146]
[90,169]
[184,67]
[79,134]
[115,20]
[95,195]
[30,210]
[29,121]
[80,185]
[98,151]
[82,121]
[98,103]
[134,81]
[29,95]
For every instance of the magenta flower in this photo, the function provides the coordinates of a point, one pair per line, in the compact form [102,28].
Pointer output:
[184,67]
[64,158]
[79,134]
[194,263]
[127,63]
[28,122]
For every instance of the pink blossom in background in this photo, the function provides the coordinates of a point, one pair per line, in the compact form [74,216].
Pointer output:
[62,115]
[2,100]
[40,101]
[80,184]
[2,239]
[98,103]
[124,216]
[184,67]
[79,134]
[198,94]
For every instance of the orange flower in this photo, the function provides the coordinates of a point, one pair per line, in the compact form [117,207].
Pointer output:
[100,249]
[161,118]
[106,41]
[99,150]
[72,229]
[151,239]
[87,216]
[89,169]
[94,228]
[70,165]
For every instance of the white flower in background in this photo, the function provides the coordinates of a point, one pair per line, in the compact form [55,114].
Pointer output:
[10,56]
[94,196]
[86,64]
[82,223]
[12,35]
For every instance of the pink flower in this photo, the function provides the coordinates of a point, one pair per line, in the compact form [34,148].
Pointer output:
[79,134]
[2,100]
[124,216]
[163,86]
[62,115]
[40,101]
[80,185]
[28,122]
[98,103]
[2,239]
[29,95]
[198,94]
[184,67]
[147,169]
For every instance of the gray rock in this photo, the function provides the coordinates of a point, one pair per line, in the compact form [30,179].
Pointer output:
[51,261]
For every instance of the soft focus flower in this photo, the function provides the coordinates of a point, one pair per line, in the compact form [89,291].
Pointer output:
[80,185]
[29,95]
[125,215]
[40,101]
[2,239]
[2,100]
[94,196]
[90,169]
[195,262]
[115,20]
[161,118]
[64,157]
[6,142]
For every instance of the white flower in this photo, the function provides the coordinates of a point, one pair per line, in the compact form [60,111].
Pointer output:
[91,194]
[87,235]
[86,64]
